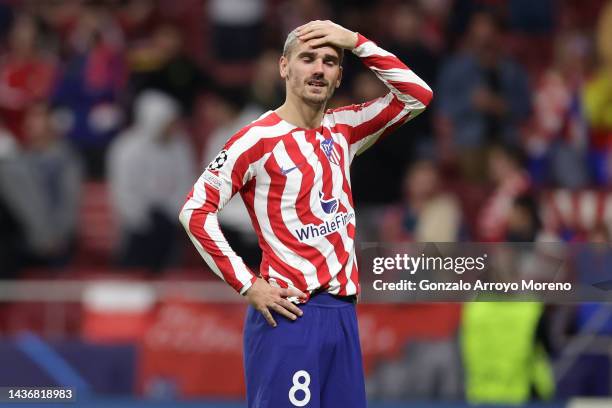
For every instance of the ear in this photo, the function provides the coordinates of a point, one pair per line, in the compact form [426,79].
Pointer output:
[283,62]
[339,78]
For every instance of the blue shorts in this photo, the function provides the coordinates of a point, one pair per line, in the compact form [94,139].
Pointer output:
[313,362]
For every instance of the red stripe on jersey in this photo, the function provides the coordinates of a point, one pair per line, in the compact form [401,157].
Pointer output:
[371,126]
[212,199]
[196,227]
[423,95]
[248,157]
[354,107]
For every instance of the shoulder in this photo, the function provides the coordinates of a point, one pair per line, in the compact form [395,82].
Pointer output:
[267,125]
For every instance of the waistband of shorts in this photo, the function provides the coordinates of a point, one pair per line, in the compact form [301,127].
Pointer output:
[324,299]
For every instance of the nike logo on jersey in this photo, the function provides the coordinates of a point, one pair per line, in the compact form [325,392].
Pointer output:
[290,169]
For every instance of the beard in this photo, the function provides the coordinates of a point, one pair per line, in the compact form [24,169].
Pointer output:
[309,93]
[317,97]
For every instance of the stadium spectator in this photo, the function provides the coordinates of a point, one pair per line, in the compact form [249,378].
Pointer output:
[598,102]
[483,97]
[510,181]
[150,166]
[524,223]
[10,234]
[57,175]
[557,141]
[406,40]
[237,29]
[162,64]
[267,87]
[500,338]
[426,214]
[138,18]
[24,232]
[27,73]
[88,90]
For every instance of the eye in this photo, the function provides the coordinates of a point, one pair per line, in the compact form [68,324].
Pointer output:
[330,63]
[307,59]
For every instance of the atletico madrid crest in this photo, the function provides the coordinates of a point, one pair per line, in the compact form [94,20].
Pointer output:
[330,150]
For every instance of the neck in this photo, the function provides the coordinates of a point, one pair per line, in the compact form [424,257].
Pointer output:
[304,115]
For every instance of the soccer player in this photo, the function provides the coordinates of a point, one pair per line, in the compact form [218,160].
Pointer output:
[291,167]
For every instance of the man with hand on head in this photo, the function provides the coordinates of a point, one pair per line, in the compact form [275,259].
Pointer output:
[291,167]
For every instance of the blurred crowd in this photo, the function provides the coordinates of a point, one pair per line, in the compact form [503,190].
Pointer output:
[137,96]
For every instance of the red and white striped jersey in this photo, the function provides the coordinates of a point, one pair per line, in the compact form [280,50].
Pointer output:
[296,186]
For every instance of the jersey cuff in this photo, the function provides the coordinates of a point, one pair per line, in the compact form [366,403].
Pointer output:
[248,285]
[360,40]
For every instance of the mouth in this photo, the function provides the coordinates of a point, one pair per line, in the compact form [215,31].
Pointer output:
[317,83]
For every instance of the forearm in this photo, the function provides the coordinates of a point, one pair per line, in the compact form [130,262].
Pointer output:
[199,218]
[408,87]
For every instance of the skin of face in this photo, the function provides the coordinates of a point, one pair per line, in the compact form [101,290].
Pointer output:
[311,74]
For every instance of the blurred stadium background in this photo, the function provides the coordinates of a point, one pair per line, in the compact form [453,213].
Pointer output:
[110,109]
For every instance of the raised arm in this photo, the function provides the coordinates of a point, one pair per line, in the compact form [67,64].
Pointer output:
[409,95]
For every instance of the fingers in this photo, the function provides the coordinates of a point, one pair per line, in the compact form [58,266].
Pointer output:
[283,312]
[291,307]
[313,29]
[311,34]
[268,316]
[318,42]
[310,25]
[284,308]
[289,292]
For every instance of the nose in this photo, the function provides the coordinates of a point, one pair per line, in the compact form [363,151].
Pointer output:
[318,67]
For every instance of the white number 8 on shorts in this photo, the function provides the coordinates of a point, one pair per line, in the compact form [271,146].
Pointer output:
[300,386]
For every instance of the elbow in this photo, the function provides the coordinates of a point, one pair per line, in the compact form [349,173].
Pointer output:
[184,216]
[427,96]
[418,97]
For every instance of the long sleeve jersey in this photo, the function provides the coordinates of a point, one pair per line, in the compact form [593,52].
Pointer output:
[296,186]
